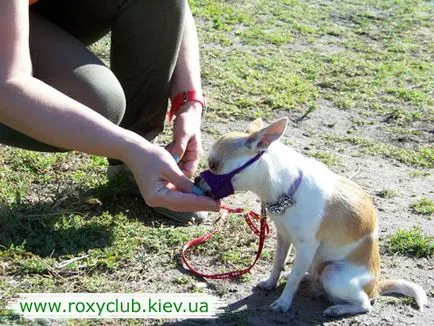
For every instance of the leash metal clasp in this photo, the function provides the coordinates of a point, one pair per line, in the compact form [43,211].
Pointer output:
[263,210]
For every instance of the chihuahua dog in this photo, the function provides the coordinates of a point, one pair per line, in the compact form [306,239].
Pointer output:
[329,219]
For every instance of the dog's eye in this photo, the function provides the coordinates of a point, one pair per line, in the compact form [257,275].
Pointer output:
[213,164]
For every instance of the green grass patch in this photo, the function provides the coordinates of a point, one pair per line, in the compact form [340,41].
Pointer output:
[423,206]
[419,173]
[411,243]
[328,158]
[405,301]
[234,247]
[421,156]
[387,193]
[373,60]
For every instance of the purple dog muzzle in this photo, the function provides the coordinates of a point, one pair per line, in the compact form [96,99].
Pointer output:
[221,184]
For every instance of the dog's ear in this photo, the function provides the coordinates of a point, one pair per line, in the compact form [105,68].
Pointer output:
[255,126]
[261,139]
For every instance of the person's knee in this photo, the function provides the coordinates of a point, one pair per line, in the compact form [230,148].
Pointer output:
[103,93]
[111,102]
[96,87]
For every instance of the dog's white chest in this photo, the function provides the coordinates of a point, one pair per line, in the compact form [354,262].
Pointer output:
[290,228]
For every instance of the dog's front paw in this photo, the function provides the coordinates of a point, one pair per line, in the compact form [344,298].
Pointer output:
[267,284]
[280,305]
[334,311]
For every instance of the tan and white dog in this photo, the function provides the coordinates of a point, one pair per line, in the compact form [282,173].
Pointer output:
[331,221]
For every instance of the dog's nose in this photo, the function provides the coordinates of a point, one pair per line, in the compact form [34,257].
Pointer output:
[213,165]
[198,180]
[201,183]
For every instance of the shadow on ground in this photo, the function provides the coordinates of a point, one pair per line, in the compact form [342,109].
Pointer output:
[73,221]
[254,310]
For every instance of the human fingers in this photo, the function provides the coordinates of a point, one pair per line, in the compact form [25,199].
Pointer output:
[182,202]
[179,145]
[189,167]
[190,160]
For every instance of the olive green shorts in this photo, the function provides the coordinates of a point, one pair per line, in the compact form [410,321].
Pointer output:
[145,41]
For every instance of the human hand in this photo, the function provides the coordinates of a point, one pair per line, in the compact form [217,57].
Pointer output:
[187,143]
[161,182]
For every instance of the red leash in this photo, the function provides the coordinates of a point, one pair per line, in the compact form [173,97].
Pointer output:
[262,233]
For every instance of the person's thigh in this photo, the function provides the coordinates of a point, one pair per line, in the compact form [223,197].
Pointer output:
[145,41]
[86,20]
[63,62]
[146,37]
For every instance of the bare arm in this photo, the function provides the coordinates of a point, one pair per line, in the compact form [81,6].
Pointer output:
[187,72]
[186,130]
[38,110]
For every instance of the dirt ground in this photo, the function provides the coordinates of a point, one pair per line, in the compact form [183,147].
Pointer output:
[249,306]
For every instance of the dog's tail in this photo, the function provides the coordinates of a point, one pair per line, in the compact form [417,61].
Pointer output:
[403,287]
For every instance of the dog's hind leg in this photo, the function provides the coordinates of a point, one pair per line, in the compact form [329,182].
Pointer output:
[344,284]
[282,249]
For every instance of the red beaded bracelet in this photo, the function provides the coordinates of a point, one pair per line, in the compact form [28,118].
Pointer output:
[185,97]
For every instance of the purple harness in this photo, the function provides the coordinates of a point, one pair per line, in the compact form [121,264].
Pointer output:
[221,184]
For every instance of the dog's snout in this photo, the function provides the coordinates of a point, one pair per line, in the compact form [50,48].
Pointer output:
[213,165]
[201,183]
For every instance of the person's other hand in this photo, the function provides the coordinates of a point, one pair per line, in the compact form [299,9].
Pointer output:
[187,143]
[161,182]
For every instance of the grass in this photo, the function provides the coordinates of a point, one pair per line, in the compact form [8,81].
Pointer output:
[421,156]
[405,301]
[387,193]
[354,55]
[423,206]
[328,158]
[65,227]
[222,255]
[373,60]
[411,243]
